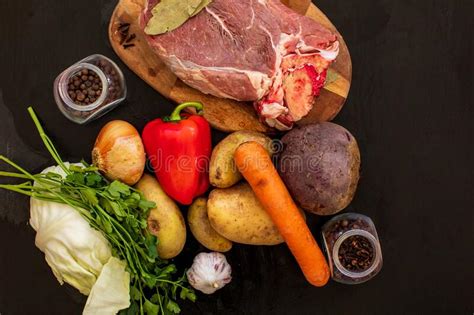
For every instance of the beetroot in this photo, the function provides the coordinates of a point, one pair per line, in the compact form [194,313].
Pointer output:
[320,167]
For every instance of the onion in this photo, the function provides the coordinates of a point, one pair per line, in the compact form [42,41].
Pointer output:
[119,153]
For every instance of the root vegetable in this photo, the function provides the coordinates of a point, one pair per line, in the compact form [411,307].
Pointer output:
[320,166]
[236,214]
[165,221]
[222,170]
[256,166]
[202,230]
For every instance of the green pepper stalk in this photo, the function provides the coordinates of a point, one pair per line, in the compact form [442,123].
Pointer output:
[176,114]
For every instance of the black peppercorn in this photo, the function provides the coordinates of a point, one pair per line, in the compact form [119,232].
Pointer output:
[80,88]
[87,83]
[80,97]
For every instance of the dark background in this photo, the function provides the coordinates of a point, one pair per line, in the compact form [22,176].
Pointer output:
[410,107]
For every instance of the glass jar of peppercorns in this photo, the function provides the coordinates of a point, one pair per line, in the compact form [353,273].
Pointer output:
[89,88]
[353,248]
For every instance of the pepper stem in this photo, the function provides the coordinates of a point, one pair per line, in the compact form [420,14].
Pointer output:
[176,114]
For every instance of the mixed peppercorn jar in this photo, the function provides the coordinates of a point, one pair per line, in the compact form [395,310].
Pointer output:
[89,89]
[353,248]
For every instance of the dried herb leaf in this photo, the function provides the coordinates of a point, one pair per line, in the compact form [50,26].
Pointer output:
[203,4]
[171,14]
[331,77]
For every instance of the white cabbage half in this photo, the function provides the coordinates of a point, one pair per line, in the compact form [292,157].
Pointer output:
[79,254]
[111,292]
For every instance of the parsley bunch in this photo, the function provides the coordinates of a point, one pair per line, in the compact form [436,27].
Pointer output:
[120,212]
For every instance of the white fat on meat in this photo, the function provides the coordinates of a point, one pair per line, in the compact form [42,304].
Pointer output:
[275,123]
[241,47]
[329,54]
[275,106]
[260,82]
[273,110]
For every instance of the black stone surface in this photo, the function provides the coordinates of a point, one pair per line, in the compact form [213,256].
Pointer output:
[410,108]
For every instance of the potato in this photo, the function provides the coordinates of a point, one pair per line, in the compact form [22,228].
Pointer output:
[236,214]
[222,170]
[165,221]
[320,167]
[202,229]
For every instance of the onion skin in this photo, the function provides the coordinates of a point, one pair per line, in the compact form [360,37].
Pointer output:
[119,153]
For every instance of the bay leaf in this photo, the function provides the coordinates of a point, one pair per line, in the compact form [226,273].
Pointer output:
[331,77]
[168,15]
[203,4]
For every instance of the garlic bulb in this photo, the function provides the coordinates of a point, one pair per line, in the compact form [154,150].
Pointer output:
[119,153]
[209,272]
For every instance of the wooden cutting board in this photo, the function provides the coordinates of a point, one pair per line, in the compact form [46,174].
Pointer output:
[223,114]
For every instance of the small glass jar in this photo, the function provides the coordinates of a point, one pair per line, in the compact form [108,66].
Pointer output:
[113,89]
[353,248]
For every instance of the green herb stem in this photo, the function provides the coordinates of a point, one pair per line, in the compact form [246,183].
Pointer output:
[13,164]
[118,211]
[13,175]
[47,141]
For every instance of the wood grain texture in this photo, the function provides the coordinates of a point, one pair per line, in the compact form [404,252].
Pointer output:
[224,114]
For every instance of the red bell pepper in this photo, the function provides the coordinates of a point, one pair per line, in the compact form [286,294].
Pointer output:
[179,148]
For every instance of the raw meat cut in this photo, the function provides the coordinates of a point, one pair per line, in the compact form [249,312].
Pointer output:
[251,50]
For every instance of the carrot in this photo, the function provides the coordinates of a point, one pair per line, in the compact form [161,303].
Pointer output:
[256,166]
